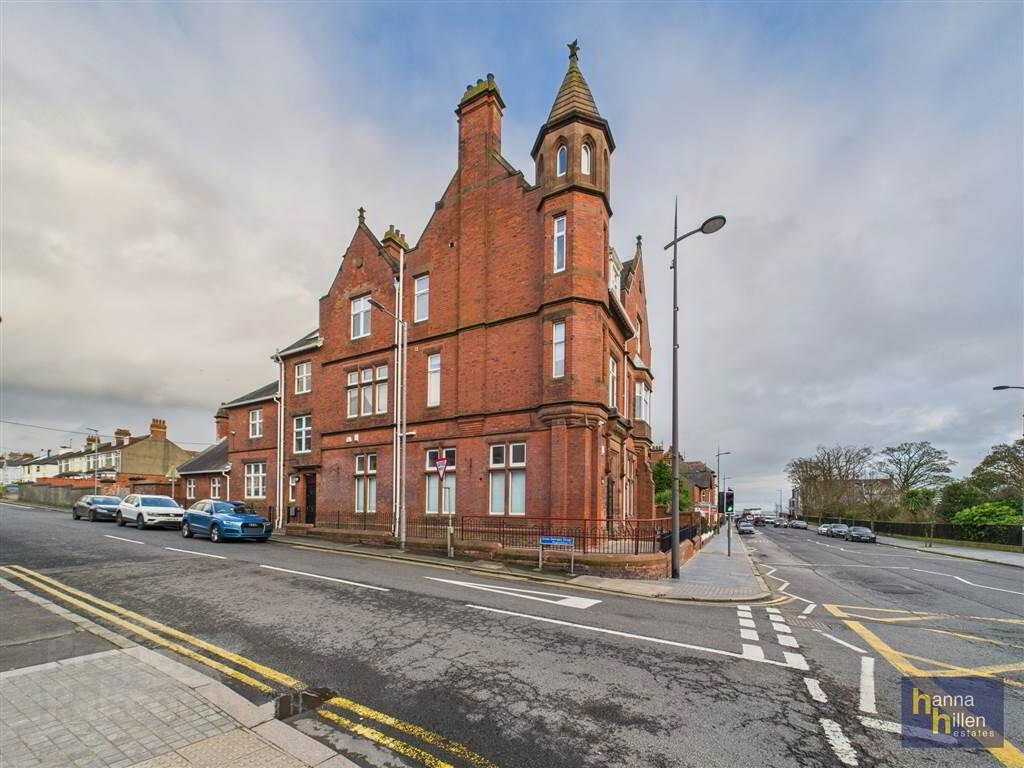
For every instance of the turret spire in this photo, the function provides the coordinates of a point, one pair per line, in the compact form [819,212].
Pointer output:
[574,95]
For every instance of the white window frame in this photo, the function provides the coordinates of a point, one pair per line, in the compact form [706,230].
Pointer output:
[585,164]
[215,487]
[255,422]
[505,472]
[381,393]
[559,238]
[430,496]
[303,377]
[365,484]
[256,480]
[421,291]
[190,488]
[293,483]
[562,160]
[642,402]
[613,381]
[361,312]
[352,394]
[302,433]
[434,380]
[558,349]
[366,392]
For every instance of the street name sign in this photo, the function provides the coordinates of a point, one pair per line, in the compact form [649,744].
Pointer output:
[557,541]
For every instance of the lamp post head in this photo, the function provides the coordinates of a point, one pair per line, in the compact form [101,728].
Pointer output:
[712,225]
[376,304]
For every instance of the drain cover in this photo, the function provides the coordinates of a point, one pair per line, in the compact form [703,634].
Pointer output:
[296,702]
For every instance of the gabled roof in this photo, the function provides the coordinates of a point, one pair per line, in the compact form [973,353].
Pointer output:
[213,459]
[266,392]
[574,97]
[310,339]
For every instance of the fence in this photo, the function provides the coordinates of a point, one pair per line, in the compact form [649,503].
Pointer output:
[620,537]
[1007,535]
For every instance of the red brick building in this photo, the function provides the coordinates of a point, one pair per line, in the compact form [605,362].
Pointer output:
[529,356]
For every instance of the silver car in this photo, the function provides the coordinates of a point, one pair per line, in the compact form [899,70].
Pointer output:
[146,510]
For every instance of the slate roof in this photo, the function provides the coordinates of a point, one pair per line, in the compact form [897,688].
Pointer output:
[574,96]
[306,340]
[213,459]
[265,392]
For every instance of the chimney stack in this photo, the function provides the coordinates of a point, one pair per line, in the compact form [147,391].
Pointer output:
[121,436]
[158,429]
[91,439]
[221,423]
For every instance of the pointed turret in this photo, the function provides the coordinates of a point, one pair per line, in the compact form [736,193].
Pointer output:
[574,96]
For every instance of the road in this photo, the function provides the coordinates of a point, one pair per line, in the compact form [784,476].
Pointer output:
[437,666]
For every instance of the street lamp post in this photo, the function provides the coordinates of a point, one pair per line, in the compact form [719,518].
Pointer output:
[709,227]
[721,490]
[1000,388]
[401,423]
[95,461]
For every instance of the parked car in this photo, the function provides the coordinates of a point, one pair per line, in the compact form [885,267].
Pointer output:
[838,530]
[801,524]
[96,508]
[759,521]
[744,526]
[860,533]
[777,523]
[145,510]
[222,520]
[823,529]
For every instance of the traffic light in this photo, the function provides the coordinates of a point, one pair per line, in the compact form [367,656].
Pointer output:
[728,502]
[721,503]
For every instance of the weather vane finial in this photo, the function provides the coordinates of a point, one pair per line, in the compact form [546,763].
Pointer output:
[362,215]
[574,50]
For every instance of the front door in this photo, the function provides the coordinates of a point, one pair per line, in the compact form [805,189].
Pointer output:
[311,499]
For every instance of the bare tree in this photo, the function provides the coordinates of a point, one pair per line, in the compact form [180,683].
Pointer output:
[913,466]
[826,480]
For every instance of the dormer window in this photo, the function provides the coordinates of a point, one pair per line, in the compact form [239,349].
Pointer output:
[585,160]
[562,161]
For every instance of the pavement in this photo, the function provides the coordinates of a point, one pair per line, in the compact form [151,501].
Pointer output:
[433,664]
[967,552]
[73,693]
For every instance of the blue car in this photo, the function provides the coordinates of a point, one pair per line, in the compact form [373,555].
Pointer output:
[222,520]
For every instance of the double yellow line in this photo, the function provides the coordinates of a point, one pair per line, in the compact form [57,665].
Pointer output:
[169,638]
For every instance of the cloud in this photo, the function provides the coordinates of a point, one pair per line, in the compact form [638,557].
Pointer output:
[180,182]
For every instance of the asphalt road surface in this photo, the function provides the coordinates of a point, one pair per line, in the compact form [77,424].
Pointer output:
[440,666]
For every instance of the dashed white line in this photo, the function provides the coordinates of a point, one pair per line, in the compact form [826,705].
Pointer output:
[120,538]
[807,611]
[922,733]
[835,639]
[796,660]
[775,611]
[748,623]
[782,628]
[965,581]
[814,689]
[191,552]
[795,664]
[326,578]
[867,685]
[837,740]
[750,634]
[753,652]
[789,641]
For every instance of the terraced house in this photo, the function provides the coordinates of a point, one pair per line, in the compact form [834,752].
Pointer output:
[529,355]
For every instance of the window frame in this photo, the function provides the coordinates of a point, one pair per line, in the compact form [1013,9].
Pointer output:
[586,159]
[255,480]
[433,380]
[418,294]
[255,422]
[558,349]
[304,375]
[190,488]
[561,160]
[357,310]
[450,453]
[560,237]
[613,381]
[508,470]
[303,433]
[364,476]
[215,483]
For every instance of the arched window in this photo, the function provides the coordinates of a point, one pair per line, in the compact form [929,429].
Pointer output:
[585,160]
[562,161]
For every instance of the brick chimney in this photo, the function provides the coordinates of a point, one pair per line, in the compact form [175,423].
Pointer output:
[221,423]
[121,436]
[158,429]
[479,114]
[90,439]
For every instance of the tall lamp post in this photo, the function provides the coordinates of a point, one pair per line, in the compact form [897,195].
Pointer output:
[721,490]
[709,227]
[1000,388]
[95,461]
[401,358]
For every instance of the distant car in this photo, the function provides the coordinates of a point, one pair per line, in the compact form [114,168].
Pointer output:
[823,529]
[744,526]
[222,520]
[147,510]
[838,530]
[801,524]
[759,521]
[776,523]
[95,508]
[860,533]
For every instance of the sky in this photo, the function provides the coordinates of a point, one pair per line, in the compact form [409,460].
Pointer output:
[178,183]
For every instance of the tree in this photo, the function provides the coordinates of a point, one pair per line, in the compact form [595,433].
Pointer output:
[975,520]
[960,494]
[826,479]
[662,477]
[912,466]
[664,497]
[919,502]
[1001,473]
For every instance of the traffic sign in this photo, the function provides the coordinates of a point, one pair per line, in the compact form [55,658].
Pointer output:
[441,465]
[557,541]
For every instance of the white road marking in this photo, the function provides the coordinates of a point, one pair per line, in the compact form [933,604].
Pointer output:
[191,552]
[796,660]
[782,628]
[746,614]
[882,725]
[867,685]
[631,636]
[566,601]
[789,641]
[120,538]
[753,652]
[748,623]
[890,727]
[782,589]
[326,578]
[841,642]
[776,611]
[807,611]
[814,688]
[965,581]
[838,741]
[742,607]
